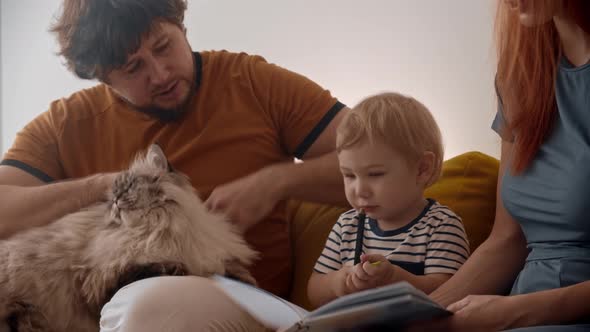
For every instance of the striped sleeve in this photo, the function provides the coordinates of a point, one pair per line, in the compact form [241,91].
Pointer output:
[448,247]
[330,258]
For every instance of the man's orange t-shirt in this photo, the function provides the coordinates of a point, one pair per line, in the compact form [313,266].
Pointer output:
[246,114]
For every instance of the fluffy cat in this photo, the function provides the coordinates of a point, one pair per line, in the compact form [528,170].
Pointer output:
[57,277]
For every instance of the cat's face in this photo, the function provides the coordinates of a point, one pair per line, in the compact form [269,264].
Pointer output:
[143,190]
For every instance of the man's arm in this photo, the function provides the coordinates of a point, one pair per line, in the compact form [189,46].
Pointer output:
[319,169]
[247,200]
[318,177]
[26,201]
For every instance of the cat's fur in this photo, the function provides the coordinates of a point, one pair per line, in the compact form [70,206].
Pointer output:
[57,277]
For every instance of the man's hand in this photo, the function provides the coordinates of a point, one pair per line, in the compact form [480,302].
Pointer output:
[373,271]
[248,200]
[99,185]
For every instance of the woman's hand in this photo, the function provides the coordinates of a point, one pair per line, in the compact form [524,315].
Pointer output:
[478,313]
[483,313]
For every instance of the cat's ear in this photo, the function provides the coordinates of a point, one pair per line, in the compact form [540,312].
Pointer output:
[155,156]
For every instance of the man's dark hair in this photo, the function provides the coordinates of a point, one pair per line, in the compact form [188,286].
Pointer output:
[97,36]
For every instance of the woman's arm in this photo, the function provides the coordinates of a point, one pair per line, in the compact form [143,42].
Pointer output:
[495,264]
[497,313]
[553,307]
[426,283]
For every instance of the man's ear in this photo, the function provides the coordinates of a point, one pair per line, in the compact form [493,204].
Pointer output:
[425,168]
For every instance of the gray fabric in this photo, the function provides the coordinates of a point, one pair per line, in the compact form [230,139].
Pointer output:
[550,199]
[499,124]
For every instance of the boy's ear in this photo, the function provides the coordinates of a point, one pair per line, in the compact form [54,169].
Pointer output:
[425,168]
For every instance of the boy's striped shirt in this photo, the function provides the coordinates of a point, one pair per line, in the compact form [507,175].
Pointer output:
[434,242]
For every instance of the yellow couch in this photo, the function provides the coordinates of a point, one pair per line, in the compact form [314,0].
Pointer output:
[467,185]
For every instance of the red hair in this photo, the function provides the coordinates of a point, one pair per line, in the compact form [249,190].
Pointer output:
[527,67]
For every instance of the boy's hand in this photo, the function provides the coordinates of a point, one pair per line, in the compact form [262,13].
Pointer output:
[340,285]
[373,271]
[379,269]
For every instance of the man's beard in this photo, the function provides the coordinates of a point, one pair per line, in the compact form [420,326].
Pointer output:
[174,115]
[168,115]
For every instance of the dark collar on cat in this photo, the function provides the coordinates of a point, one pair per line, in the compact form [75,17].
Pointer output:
[134,273]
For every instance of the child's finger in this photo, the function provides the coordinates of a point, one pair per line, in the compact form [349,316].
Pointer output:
[353,284]
[349,284]
[360,272]
[364,258]
[359,284]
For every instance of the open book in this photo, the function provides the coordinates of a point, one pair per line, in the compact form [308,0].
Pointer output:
[387,306]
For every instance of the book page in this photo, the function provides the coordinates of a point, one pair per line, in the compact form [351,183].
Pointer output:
[269,309]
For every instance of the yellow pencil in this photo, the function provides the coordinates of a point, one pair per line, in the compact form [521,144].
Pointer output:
[376,263]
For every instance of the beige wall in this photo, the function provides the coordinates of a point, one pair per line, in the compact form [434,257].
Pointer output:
[438,51]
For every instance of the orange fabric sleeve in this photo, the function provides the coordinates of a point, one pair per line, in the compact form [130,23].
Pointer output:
[299,108]
[35,148]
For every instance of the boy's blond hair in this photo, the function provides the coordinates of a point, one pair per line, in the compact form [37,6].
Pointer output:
[399,121]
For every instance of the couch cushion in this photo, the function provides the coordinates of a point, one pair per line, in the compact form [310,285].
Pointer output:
[310,225]
[467,186]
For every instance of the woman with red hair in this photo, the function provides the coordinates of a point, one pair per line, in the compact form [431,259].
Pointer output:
[539,250]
